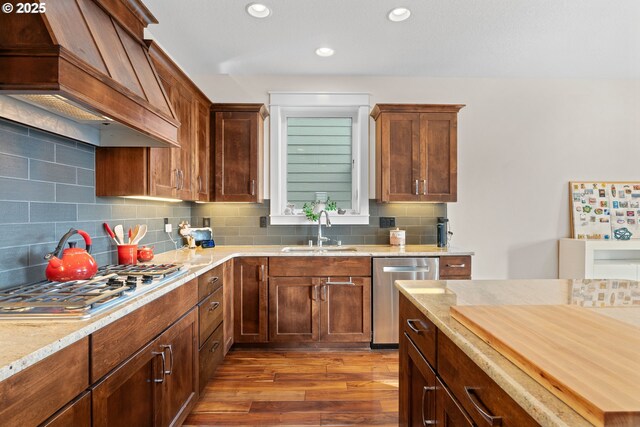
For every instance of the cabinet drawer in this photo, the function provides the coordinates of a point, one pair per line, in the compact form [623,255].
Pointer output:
[211,354]
[210,281]
[455,267]
[210,313]
[320,266]
[76,413]
[474,389]
[420,329]
[31,396]
[116,342]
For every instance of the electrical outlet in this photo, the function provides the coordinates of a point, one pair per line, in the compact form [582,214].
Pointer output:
[263,222]
[166,221]
[387,221]
[206,222]
[168,228]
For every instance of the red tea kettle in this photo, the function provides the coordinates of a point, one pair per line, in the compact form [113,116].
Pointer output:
[72,263]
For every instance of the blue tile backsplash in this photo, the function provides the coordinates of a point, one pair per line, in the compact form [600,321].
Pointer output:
[46,187]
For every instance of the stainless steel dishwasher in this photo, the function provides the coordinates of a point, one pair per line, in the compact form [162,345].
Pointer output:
[385,296]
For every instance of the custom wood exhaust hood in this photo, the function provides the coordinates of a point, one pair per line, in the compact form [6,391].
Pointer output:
[86,62]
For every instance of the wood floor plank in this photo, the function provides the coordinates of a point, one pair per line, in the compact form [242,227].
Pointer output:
[255,419]
[390,405]
[373,385]
[227,385]
[322,406]
[203,406]
[343,376]
[357,368]
[256,395]
[352,395]
[342,419]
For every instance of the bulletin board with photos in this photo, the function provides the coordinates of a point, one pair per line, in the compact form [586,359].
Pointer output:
[605,210]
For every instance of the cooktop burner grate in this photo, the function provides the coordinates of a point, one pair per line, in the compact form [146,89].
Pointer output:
[80,299]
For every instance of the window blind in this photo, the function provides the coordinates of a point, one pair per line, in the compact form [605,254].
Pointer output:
[319,159]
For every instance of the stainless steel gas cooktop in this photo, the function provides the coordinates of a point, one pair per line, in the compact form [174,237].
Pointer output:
[82,299]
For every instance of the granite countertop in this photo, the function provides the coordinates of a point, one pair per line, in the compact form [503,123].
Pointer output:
[25,342]
[435,298]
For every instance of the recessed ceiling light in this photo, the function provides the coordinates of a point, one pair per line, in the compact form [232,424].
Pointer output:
[324,51]
[399,14]
[258,10]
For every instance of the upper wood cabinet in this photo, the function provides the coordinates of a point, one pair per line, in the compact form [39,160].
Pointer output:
[238,134]
[416,152]
[180,173]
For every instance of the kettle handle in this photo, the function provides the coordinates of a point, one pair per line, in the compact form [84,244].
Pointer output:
[57,252]
[87,240]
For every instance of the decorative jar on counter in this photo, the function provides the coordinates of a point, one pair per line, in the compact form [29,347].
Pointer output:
[397,237]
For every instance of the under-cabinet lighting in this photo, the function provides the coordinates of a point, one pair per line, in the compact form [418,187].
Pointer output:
[324,51]
[258,10]
[399,14]
[155,199]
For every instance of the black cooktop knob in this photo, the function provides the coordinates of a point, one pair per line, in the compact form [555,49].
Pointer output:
[147,278]
[132,278]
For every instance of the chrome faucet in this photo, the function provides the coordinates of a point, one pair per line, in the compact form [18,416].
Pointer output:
[320,237]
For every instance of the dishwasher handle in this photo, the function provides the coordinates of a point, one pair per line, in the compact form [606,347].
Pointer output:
[406,269]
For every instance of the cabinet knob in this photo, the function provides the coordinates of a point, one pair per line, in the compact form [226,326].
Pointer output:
[214,305]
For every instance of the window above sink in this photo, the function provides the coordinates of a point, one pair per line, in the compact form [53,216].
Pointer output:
[319,143]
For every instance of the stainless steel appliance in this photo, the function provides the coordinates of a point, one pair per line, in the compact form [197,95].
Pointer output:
[385,296]
[82,299]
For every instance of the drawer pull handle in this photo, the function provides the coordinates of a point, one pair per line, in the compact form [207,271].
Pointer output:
[216,344]
[164,347]
[484,413]
[330,282]
[456,265]
[425,389]
[213,280]
[214,305]
[410,323]
[417,184]
[164,364]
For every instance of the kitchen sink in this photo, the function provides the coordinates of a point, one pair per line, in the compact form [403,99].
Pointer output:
[316,249]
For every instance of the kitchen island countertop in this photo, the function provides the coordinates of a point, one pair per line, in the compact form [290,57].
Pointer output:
[434,298]
[26,342]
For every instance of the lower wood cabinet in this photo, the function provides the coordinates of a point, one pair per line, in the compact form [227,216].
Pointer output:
[441,385]
[418,387]
[294,308]
[345,309]
[29,397]
[157,386]
[250,312]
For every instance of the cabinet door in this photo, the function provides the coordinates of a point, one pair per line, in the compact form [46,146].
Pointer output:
[417,387]
[163,174]
[438,157]
[236,157]
[293,309]
[448,412]
[345,309]
[250,299]
[202,152]
[179,344]
[400,157]
[129,396]
[184,107]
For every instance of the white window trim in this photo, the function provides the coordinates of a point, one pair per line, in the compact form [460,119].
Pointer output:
[319,104]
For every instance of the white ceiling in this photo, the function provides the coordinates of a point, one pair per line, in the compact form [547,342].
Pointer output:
[442,38]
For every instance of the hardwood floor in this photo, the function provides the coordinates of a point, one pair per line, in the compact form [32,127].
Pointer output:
[294,388]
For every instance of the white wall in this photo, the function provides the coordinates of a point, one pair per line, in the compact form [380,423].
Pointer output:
[519,143]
